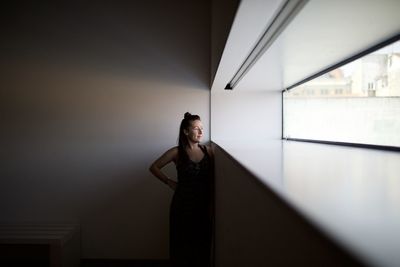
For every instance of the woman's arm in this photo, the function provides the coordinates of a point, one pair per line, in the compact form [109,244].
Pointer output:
[155,168]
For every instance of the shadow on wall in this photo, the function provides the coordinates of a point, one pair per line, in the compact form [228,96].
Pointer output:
[91,92]
[121,40]
[124,214]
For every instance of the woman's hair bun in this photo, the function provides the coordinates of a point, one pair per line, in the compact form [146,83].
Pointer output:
[187,115]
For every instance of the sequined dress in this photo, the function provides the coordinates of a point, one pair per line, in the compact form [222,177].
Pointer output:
[190,213]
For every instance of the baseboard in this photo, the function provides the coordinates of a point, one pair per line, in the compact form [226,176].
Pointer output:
[123,263]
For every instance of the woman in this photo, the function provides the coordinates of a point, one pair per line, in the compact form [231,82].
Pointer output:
[191,207]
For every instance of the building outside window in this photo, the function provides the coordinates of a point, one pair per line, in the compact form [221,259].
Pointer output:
[356,103]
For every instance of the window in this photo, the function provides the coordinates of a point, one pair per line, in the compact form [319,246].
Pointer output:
[356,103]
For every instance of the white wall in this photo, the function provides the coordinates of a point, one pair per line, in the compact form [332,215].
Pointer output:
[248,112]
[281,203]
[91,93]
[245,116]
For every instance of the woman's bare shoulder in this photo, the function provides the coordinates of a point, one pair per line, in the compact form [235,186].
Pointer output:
[168,156]
[172,151]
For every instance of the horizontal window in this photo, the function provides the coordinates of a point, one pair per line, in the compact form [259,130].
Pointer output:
[358,102]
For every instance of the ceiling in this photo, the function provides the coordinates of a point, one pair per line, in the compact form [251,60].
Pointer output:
[322,34]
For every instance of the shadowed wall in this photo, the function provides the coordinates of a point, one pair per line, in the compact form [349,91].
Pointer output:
[91,93]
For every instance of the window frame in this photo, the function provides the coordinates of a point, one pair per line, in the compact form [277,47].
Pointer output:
[326,70]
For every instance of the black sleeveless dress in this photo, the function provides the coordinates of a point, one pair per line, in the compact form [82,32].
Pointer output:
[190,213]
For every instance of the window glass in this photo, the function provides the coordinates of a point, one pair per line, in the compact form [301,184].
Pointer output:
[356,103]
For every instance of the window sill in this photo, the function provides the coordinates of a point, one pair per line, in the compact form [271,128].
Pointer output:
[352,194]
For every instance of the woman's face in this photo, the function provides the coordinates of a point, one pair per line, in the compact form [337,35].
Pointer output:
[195,132]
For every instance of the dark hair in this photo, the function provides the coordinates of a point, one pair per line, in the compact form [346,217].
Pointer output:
[182,139]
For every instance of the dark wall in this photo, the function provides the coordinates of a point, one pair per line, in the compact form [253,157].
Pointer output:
[91,92]
[222,16]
